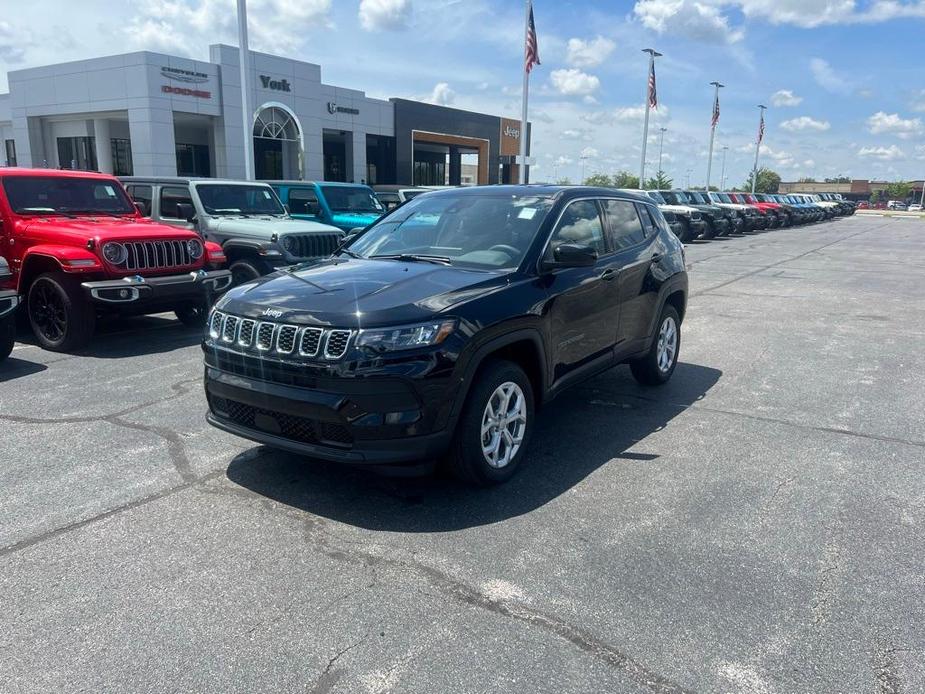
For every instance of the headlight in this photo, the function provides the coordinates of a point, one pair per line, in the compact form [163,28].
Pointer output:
[115,253]
[405,336]
[194,246]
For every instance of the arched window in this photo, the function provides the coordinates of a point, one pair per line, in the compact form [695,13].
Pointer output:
[275,124]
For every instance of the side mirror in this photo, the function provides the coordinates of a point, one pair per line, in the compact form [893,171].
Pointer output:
[186,211]
[5,273]
[574,255]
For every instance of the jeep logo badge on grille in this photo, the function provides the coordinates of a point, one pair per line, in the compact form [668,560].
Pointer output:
[272,313]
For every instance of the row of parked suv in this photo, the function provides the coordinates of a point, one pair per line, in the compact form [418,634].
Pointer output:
[697,214]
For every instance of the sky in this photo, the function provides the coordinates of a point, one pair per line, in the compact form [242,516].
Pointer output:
[842,79]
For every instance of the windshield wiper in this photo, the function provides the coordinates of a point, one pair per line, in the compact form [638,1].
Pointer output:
[347,251]
[46,210]
[414,257]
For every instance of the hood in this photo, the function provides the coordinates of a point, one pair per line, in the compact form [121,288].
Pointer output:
[734,206]
[682,209]
[101,229]
[712,209]
[350,293]
[266,226]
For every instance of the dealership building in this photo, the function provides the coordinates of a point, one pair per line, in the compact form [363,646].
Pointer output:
[149,114]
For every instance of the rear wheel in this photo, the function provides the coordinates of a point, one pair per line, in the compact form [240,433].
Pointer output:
[246,270]
[495,426]
[656,367]
[61,317]
[7,336]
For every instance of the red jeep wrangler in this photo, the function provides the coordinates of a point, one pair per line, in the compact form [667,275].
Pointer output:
[79,247]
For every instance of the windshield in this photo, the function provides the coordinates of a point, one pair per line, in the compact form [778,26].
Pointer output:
[655,195]
[228,199]
[675,197]
[723,197]
[66,195]
[696,198]
[351,199]
[486,230]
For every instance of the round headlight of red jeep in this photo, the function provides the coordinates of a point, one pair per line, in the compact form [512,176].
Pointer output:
[194,247]
[115,253]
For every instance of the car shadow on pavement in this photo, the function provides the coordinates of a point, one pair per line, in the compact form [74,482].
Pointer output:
[581,431]
[13,368]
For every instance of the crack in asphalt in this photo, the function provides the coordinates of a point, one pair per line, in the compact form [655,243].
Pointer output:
[329,677]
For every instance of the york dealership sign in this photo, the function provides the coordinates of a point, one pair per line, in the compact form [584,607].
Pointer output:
[276,85]
[334,108]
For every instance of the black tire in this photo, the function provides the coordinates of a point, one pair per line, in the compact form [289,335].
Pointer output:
[647,370]
[61,317]
[686,234]
[7,336]
[192,315]
[709,231]
[247,269]
[466,459]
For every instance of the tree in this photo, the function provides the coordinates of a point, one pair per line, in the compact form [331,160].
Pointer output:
[659,182]
[899,190]
[838,179]
[564,181]
[875,197]
[599,179]
[806,179]
[624,179]
[768,181]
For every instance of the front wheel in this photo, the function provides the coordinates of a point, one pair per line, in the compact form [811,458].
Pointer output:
[61,317]
[7,336]
[656,367]
[495,426]
[246,270]
[192,316]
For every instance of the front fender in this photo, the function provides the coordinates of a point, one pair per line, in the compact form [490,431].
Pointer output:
[71,259]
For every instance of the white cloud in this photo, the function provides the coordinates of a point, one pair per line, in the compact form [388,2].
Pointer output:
[577,134]
[388,15]
[882,123]
[785,97]
[442,95]
[581,53]
[636,113]
[805,123]
[802,13]
[589,153]
[695,20]
[827,77]
[891,153]
[574,82]
[13,43]
[564,161]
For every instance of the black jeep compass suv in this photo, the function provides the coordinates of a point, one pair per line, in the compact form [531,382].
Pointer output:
[437,331]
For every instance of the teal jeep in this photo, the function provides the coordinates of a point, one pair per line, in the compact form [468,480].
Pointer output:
[343,205]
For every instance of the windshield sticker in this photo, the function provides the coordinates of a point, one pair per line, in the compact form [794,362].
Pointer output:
[527,213]
[110,191]
[266,194]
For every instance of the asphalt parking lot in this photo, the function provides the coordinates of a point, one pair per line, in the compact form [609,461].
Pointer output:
[757,525]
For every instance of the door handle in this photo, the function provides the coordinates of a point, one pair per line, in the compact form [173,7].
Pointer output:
[608,274]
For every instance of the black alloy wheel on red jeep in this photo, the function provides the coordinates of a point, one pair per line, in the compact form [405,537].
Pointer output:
[61,317]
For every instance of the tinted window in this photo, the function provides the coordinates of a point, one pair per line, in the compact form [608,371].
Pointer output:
[581,224]
[143,196]
[219,199]
[350,199]
[171,198]
[303,201]
[624,223]
[46,194]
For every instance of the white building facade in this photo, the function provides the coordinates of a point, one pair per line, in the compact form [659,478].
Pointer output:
[158,115]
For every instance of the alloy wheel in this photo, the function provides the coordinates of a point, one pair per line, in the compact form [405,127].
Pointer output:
[667,344]
[48,311]
[504,423]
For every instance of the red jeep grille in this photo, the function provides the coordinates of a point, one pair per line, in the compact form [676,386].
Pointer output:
[157,255]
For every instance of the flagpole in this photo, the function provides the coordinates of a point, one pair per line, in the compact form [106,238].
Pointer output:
[653,54]
[716,87]
[246,116]
[761,109]
[522,168]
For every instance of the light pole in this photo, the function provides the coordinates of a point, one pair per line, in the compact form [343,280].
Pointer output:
[650,101]
[761,109]
[689,172]
[246,115]
[922,201]
[722,176]
[583,158]
[714,120]
[661,144]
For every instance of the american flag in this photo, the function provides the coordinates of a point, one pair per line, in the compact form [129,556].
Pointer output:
[531,53]
[653,94]
[761,128]
[715,111]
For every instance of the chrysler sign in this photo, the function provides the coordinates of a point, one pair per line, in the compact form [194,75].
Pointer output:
[190,76]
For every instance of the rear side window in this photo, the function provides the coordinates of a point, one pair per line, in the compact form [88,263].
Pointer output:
[580,224]
[171,197]
[143,196]
[625,227]
[651,221]
[303,201]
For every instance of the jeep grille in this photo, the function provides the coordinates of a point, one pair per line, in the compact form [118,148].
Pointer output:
[312,245]
[157,255]
[250,336]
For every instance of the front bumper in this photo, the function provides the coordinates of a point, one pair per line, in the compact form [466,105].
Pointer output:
[9,300]
[697,227]
[139,291]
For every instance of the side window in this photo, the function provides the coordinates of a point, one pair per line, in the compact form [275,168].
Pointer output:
[141,195]
[648,224]
[303,201]
[580,223]
[170,198]
[625,227]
